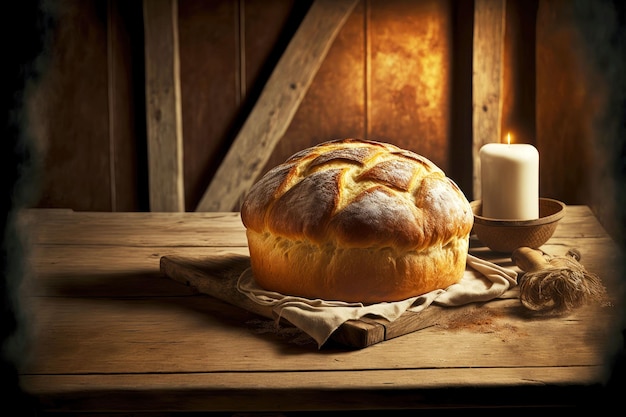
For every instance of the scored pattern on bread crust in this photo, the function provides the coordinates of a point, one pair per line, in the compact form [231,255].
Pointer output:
[358,221]
[358,193]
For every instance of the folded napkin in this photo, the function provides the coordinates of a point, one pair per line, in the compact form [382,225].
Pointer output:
[482,281]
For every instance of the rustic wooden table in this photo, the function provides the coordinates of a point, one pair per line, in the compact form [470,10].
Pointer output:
[110,333]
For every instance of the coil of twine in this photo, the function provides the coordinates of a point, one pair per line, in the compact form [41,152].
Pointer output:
[555,284]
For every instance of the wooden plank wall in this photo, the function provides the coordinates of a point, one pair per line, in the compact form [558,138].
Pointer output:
[387,76]
[487,79]
[273,111]
[581,106]
[398,70]
[86,111]
[163,105]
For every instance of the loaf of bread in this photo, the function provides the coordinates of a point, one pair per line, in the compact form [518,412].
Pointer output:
[356,221]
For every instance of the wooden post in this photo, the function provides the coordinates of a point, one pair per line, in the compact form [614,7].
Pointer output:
[163,106]
[489,26]
[277,104]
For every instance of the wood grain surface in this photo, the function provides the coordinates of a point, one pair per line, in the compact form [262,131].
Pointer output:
[163,106]
[276,105]
[489,30]
[110,333]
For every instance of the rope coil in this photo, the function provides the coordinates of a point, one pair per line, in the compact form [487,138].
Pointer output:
[556,284]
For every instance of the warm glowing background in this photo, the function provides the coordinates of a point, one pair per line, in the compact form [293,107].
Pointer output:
[399,71]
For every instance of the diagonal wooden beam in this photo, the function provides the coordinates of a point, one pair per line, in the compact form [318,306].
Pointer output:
[488,51]
[277,104]
[163,106]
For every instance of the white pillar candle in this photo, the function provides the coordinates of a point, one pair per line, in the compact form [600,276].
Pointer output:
[509,181]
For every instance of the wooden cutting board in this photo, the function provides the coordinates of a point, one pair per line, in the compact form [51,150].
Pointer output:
[217,276]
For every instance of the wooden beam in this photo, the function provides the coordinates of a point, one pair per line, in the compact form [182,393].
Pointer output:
[488,51]
[277,104]
[163,106]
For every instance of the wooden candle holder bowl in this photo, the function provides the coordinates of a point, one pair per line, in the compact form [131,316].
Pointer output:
[508,235]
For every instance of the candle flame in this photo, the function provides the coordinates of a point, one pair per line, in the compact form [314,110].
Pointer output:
[508,138]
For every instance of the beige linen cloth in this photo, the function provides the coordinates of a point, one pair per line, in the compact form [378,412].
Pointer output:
[482,281]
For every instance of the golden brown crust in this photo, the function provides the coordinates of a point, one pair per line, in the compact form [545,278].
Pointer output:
[357,221]
[366,275]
